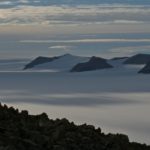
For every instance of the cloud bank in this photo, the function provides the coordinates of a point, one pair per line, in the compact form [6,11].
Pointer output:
[77,15]
[39,27]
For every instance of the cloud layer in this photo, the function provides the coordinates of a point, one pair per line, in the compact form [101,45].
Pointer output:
[77,15]
[41,26]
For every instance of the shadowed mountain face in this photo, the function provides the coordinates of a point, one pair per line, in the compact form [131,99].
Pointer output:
[95,63]
[146,69]
[138,59]
[20,131]
[38,61]
[119,58]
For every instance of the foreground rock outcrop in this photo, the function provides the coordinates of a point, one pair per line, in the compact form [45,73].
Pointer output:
[95,63]
[21,131]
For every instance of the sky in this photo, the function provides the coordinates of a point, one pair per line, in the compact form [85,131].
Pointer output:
[106,28]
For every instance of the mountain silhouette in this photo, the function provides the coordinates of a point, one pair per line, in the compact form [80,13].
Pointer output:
[95,63]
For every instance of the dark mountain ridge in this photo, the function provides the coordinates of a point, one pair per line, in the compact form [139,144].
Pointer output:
[39,60]
[21,131]
[95,63]
[81,64]
[138,59]
[119,58]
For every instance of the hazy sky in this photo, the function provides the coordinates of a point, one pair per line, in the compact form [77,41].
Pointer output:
[107,28]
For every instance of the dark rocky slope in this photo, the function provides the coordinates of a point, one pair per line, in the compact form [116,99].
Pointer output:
[39,60]
[138,59]
[21,131]
[146,69]
[119,58]
[95,63]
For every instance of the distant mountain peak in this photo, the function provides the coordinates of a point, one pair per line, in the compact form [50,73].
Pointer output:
[39,60]
[63,62]
[119,58]
[138,59]
[96,59]
[95,63]
[67,54]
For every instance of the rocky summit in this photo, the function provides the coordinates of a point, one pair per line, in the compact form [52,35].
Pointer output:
[95,63]
[21,131]
[138,59]
[39,60]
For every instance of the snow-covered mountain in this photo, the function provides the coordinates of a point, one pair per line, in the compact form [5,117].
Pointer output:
[60,63]
[68,62]
[74,63]
[38,61]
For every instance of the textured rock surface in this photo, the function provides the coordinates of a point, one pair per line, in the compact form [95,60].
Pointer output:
[21,131]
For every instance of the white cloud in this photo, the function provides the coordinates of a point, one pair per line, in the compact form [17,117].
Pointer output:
[24,1]
[86,41]
[61,47]
[82,14]
[6,2]
[65,48]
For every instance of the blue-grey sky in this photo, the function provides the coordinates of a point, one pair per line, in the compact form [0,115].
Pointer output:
[106,28]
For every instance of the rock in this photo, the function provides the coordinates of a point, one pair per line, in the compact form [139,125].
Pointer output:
[119,58]
[95,63]
[138,59]
[56,64]
[39,60]
[21,131]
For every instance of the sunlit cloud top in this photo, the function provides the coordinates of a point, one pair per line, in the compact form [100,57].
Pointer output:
[77,12]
